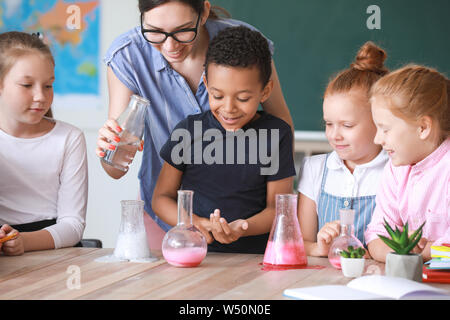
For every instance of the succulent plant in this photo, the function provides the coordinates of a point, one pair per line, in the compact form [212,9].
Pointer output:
[400,242]
[351,252]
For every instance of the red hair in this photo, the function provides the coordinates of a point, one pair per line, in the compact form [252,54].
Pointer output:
[415,91]
[367,68]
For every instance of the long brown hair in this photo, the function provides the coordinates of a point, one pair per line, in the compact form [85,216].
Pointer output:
[14,45]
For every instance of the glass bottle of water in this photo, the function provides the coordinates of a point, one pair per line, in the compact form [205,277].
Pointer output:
[132,122]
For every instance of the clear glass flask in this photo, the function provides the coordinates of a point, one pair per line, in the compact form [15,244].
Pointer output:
[285,248]
[345,239]
[132,239]
[132,122]
[184,245]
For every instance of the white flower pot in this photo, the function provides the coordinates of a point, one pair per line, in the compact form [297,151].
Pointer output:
[407,266]
[351,267]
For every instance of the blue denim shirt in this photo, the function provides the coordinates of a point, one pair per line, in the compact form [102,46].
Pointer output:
[146,72]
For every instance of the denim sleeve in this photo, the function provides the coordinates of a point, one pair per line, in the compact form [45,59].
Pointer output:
[119,58]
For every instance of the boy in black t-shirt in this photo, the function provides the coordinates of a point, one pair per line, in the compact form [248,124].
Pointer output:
[234,157]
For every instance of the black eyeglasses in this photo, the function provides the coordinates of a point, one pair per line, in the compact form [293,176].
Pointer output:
[184,35]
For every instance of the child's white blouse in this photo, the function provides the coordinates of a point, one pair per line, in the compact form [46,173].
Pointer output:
[340,181]
[46,178]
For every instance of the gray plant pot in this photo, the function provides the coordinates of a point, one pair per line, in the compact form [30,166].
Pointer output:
[404,266]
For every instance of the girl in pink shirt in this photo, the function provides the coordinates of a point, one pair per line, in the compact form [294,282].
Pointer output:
[411,110]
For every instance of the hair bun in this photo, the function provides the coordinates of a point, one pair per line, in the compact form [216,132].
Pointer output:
[370,58]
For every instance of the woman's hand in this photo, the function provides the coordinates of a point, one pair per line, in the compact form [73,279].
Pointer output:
[15,246]
[225,232]
[108,133]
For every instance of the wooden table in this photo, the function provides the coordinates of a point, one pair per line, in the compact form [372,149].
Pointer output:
[50,275]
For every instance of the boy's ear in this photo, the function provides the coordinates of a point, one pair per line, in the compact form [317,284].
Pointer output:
[425,127]
[267,91]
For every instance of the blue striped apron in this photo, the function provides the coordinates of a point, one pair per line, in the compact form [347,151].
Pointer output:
[329,205]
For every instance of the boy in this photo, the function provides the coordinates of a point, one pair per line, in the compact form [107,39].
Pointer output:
[234,157]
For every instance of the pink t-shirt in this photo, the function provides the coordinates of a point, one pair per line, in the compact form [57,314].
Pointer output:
[415,194]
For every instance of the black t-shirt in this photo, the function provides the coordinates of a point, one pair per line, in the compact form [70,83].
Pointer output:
[230,171]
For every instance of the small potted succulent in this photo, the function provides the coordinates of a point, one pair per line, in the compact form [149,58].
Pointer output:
[402,263]
[352,261]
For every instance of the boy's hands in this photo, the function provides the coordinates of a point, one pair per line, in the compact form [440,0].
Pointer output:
[13,247]
[204,226]
[225,232]
[326,236]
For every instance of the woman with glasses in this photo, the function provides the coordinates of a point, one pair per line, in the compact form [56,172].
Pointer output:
[163,60]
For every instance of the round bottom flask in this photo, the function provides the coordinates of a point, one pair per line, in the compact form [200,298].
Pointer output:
[346,238]
[184,245]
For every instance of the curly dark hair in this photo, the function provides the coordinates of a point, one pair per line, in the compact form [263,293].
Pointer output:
[241,47]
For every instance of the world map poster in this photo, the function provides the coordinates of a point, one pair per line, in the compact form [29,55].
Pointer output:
[71,29]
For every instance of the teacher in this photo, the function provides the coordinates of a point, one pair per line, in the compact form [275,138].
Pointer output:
[162,60]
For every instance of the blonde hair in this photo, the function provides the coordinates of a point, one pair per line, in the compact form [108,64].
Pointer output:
[415,91]
[367,68]
[14,45]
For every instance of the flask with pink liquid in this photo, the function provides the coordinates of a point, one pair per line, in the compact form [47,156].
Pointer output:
[345,239]
[285,248]
[184,245]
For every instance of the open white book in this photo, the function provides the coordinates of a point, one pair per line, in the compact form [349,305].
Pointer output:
[369,288]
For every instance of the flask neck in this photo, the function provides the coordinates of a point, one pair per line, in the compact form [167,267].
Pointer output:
[185,208]
[184,218]
[347,230]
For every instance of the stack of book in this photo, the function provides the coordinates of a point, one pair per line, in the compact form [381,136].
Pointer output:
[438,268]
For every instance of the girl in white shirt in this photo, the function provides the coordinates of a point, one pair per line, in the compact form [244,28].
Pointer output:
[43,164]
[348,177]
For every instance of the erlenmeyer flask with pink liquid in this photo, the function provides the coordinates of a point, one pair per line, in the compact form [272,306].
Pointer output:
[285,248]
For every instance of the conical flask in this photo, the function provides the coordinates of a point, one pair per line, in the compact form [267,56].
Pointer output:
[132,239]
[132,122]
[184,245]
[345,239]
[285,248]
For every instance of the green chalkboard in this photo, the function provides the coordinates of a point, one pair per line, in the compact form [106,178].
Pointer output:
[314,39]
